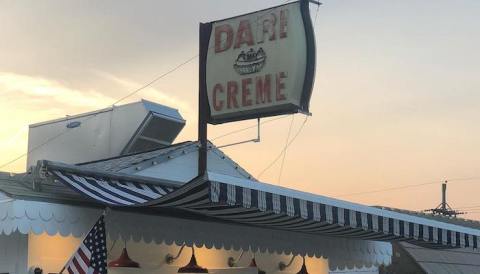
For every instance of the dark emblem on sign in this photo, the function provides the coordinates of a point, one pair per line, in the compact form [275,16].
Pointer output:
[250,62]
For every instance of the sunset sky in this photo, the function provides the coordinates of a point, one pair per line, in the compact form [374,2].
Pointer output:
[396,100]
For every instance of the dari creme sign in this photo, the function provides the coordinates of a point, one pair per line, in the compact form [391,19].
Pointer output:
[258,64]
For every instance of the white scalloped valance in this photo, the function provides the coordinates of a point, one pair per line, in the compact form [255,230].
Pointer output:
[39,217]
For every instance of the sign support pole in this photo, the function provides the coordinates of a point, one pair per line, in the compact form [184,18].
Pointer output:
[202,101]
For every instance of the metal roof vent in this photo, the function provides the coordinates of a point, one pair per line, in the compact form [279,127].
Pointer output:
[105,133]
[156,131]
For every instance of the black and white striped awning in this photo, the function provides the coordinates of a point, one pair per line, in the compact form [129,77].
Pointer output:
[254,203]
[113,192]
[259,204]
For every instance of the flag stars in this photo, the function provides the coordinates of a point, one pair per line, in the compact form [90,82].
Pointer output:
[96,260]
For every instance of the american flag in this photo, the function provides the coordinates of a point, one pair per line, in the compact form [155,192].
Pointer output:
[91,256]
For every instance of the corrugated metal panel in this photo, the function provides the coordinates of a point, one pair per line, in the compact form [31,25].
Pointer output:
[118,163]
[21,186]
[445,256]
[445,261]
[175,159]
[439,268]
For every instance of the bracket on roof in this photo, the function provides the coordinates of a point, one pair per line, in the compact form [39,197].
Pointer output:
[39,174]
[255,140]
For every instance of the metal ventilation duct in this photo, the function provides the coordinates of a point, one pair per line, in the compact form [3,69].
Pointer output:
[154,126]
[105,133]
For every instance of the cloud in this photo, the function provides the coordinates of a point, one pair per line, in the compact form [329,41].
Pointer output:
[29,99]
[50,92]
[151,93]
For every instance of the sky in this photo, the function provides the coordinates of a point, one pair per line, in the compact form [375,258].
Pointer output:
[396,100]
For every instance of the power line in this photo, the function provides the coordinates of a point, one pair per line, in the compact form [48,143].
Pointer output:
[386,189]
[281,152]
[468,207]
[407,186]
[284,152]
[285,149]
[464,179]
[41,145]
[247,128]
[316,14]
[116,102]
[156,79]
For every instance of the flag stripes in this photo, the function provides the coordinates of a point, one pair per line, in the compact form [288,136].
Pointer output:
[91,255]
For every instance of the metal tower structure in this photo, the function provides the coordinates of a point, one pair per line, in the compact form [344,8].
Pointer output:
[444,208]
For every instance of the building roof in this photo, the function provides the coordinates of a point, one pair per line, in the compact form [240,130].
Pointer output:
[22,185]
[176,154]
[444,261]
[227,192]
[120,163]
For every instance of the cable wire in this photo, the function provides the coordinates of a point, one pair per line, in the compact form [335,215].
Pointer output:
[42,144]
[285,149]
[407,186]
[116,102]
[156,79]
[316,14]
[281,152]
[247,128]
[387,189]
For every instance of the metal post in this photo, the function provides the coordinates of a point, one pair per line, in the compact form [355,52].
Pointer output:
[202,100]
[444,195]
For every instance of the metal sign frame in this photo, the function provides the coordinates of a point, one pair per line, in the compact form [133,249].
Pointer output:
[204,115]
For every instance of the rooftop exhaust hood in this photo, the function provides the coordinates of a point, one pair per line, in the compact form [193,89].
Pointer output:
[105,133]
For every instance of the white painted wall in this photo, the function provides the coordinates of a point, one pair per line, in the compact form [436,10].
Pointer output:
[51,252]
[13,253]
[151,257]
